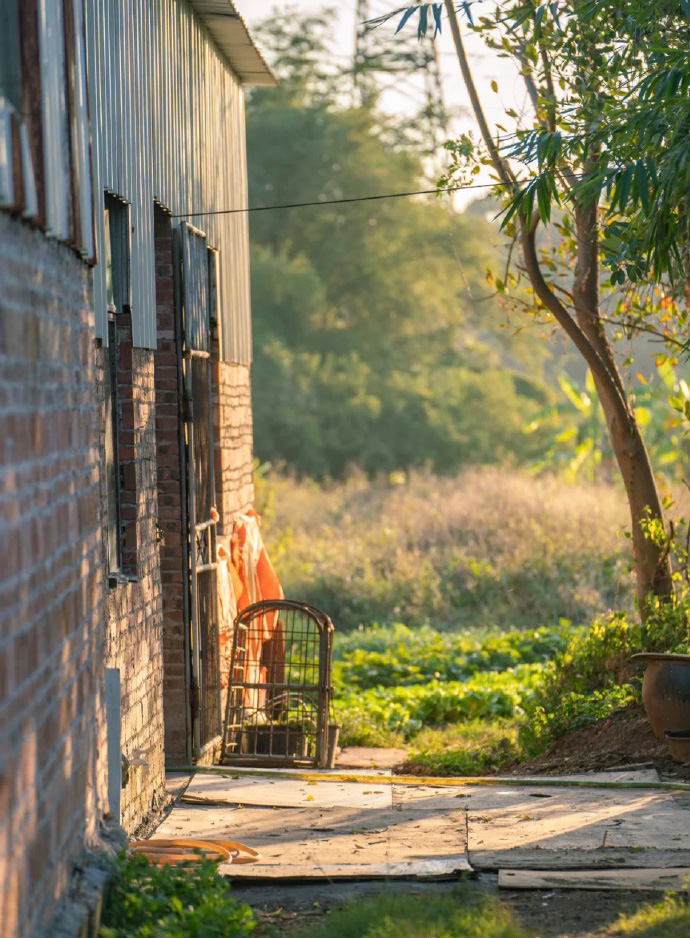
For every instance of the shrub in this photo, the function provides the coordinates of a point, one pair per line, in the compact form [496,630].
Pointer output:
[595,676]
[572,712]
[145,901]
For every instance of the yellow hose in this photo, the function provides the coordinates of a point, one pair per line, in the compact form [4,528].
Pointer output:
[430,781]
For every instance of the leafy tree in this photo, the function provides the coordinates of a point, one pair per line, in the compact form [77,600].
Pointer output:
[374,344]
[574,66]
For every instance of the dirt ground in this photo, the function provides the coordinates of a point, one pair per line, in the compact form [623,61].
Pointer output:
[287,909]
[624,739]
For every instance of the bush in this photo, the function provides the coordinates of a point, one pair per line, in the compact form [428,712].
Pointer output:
[572,712]
[189,901]
[595,676]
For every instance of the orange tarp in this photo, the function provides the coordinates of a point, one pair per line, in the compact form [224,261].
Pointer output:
[246,576]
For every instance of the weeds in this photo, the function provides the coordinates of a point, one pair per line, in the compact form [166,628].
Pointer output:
[460,914]
[490,548]
[510,569]
[145,901]
[669,918]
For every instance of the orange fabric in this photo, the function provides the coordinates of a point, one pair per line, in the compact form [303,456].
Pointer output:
[254,579]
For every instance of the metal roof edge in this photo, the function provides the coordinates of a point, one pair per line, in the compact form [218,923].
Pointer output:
[224,21]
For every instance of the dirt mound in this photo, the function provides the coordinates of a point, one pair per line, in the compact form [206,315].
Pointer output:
[622,739]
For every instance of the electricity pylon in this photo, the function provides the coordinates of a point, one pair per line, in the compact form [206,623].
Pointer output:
[414,67]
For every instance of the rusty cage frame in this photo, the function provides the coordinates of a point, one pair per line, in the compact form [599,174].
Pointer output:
[279,687]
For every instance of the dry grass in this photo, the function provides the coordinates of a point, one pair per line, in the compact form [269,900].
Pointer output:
[490,548]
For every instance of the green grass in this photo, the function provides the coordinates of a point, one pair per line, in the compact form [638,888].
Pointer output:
[669,918]
[460,914]
[475,747]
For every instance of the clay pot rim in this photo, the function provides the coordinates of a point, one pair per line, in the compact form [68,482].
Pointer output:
[658,656]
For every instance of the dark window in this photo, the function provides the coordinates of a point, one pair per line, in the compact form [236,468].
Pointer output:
[120,472]
[10,72]
[112,468]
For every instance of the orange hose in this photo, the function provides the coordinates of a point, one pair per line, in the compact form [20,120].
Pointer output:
[163,850]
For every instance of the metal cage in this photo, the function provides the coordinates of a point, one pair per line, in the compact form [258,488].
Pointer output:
[279,688]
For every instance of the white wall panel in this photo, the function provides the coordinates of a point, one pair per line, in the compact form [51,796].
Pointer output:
[170,127]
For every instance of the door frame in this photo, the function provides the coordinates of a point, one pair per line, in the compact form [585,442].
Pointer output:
[197,746]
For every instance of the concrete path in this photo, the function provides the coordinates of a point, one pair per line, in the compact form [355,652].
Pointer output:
[366,830]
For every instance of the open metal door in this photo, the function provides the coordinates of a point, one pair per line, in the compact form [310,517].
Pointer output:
[195,305]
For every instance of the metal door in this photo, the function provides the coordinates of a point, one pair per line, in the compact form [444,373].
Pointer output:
[195,303]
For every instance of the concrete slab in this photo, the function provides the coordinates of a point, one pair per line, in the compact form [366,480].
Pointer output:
[176,783]
[329,843]
[382,828]
[575,827]
[287,792]
[363,757]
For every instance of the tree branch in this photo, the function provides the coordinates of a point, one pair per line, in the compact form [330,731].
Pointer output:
[503,170]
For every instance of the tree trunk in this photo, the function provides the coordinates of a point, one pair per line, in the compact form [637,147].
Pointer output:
[652,566]
[585,329]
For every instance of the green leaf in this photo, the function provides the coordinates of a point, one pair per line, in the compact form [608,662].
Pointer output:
[642,184]
[538,19]
[405,17]
[423,21]
[623,186]
[494,86]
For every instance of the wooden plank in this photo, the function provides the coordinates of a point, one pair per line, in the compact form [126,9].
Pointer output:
[324,842]
[523,858]
[428,870]
[288,793]
[674,880]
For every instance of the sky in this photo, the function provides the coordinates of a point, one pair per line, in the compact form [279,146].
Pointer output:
[486,64]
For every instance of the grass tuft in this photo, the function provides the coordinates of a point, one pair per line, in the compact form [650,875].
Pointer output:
[459,914]
[669,918]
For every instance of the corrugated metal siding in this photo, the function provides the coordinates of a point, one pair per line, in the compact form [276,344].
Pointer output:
[170,127]
[55,139]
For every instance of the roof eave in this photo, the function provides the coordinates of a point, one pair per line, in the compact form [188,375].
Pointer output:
[234,40]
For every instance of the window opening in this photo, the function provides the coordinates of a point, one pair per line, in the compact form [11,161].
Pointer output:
[117,380]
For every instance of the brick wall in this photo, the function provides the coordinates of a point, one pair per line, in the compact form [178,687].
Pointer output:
[51,587]
[170,499]
[233,435]
[134,608]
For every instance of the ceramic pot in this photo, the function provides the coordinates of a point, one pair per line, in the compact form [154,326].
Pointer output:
[666,691]
[679,744]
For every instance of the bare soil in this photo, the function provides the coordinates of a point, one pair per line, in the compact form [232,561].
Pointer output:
[285,910]
[624,739]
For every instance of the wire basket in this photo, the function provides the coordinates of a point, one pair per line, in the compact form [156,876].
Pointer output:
[279,687]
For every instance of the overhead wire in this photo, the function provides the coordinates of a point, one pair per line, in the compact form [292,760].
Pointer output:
[361,198]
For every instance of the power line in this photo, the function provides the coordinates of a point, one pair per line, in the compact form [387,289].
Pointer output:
[361,198]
